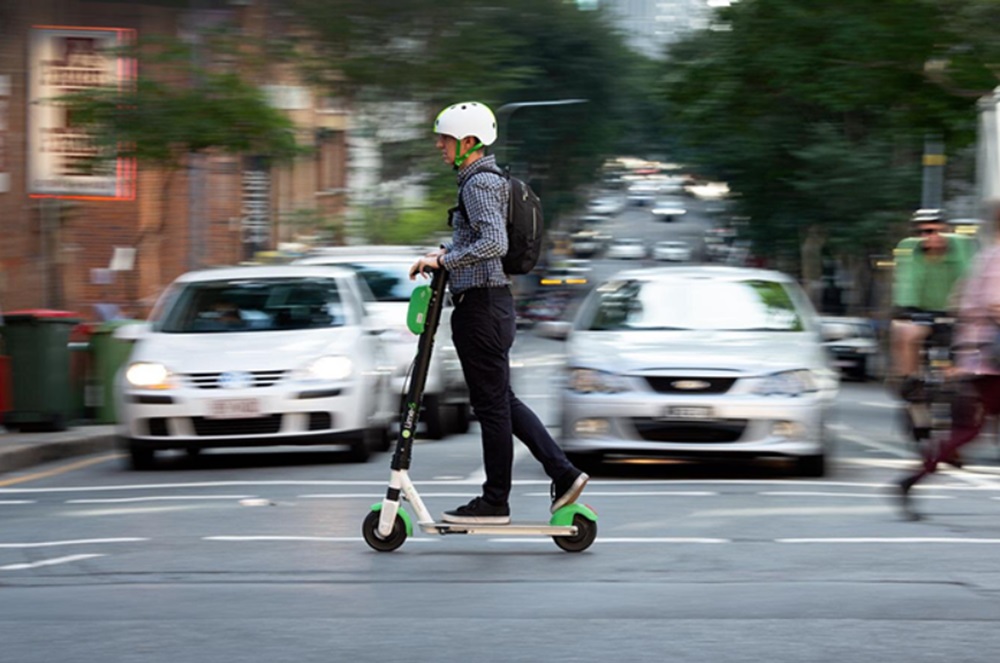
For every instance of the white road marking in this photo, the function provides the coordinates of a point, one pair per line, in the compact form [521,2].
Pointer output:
[47,562]
[157,498]
[867,442]
[71,542]
[132,511]
[14,502]
[881,404]
[794,493]
[269,538]
[662,539]
[335,496]
[791,511]
[639,493]
[888,539]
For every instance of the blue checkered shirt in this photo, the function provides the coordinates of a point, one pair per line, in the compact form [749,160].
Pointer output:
[479,242]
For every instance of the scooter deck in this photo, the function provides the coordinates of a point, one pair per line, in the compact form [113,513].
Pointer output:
[513,529]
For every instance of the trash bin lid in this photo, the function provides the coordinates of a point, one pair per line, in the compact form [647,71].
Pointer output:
[42,315]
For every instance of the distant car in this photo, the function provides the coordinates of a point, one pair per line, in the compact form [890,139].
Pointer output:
[672,251]
[585,243]
[852,344]
[626,249]
[385,272]
[255,356]
[669,209]
[606,205]
[642,193]
[696,362]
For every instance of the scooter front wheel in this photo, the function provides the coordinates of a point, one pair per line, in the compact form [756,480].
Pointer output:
[369,529]
[586,532]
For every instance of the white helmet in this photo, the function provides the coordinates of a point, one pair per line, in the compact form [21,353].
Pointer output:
[469,118]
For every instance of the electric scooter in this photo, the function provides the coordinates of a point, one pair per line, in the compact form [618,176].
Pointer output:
[572,527]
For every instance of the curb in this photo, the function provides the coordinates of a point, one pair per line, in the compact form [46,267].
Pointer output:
[20,451]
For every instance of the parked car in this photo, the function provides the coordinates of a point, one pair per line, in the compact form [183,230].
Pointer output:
[672,251]
[255,356]
[626,248]
[669,209]
[385,270]
[696,362]
[853,346]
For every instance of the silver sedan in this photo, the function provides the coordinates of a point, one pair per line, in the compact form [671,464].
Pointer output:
[702,361]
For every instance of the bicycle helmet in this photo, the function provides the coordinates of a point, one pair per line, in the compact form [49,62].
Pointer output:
[928,215]
[469,118]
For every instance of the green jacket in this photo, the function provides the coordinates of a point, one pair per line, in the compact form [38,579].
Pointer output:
[927,284]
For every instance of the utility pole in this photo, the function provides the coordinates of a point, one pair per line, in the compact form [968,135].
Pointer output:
[934,162]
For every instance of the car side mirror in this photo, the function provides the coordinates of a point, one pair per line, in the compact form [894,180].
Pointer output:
[554,329]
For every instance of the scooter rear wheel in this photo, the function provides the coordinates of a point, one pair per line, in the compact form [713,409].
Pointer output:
[369,529]
[586,532]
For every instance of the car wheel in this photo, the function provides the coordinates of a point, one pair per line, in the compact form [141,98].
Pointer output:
[811,466]
[461,415]
[435,417]
[140,458]
[361,447]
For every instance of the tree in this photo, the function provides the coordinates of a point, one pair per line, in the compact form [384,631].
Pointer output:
[179,109]
[437,52]
[815,114]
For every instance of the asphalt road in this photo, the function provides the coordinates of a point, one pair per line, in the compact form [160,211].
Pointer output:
[258,556]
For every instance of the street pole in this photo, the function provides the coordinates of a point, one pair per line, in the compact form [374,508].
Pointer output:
[933,182]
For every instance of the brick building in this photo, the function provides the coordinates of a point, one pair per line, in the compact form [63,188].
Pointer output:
[122,245]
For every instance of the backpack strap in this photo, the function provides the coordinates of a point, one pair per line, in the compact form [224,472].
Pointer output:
[461,203]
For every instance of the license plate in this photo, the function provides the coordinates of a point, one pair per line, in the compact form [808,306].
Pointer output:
[688,412]
[234,408]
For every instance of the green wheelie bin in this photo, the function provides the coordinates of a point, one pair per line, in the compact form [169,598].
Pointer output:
[37,341]
[108,354]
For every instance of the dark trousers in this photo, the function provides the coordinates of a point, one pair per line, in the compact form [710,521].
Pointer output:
[978,398]
[483,328]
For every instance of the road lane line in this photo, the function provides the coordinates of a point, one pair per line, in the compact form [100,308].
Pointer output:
[640,493]
[47,562]
[307,539]
[795,493]
[13,502]
[157,498]
[71,542]
[59,470]
[889,539]
[620,539]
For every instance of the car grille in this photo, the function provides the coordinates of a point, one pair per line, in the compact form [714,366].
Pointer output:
[668,385]
[320,421]
[211,380]
[252,426]
[709,432]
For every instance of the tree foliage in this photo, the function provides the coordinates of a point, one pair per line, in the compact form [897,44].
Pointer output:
[441,51]
[179,106]
[816,113]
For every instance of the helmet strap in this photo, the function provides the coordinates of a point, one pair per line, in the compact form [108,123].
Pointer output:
[460,159]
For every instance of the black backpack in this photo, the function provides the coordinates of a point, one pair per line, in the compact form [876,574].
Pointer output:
[524,225]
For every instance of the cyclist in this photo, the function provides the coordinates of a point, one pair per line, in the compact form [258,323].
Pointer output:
[978,361]
[929,264]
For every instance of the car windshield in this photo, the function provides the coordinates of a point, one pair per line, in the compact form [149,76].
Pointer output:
[389,282]
[250,305]
[691,304]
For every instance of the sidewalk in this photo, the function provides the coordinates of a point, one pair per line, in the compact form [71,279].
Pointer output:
[21,450]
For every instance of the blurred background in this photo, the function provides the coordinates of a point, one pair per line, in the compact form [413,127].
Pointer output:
[142,139]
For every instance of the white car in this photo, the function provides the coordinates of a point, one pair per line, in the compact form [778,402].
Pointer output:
[626,249]
[255,356]
[606,205]
[669,209]
[385,272]
[689,362]
[672,251]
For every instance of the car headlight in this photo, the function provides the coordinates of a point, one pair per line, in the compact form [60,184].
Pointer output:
[589,381]
[149,375]
[787,383]
[330,368]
